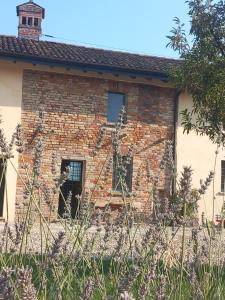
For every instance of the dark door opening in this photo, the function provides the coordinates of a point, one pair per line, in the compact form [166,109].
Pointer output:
[71,188]
[2,185]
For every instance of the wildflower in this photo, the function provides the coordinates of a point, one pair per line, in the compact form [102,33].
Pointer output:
[167,160]
[98,219]
[6,151]
[4,236]
[88,289]
[38,152]
[67,213]
[206,183]
[119,246]
[11,144]
[203,218]
[129,155]
[6,287]
[107,169]
[19,139]
[101,135]
[149,276]
[57,245]
[126,283]
[41,126]
[196,291]
[156,198]
[121,217]
[25,285]
[47,195]
[117,135]
[185,183]
[138,180]
[122,117]
[16,239]
[63,177]
[160,295]
[108,215]
[86,210]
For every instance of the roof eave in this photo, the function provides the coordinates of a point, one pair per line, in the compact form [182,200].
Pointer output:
[87,67]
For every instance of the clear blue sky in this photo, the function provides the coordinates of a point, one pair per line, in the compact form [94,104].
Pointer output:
[132,25]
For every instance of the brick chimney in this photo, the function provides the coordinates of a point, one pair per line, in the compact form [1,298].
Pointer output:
[30,18]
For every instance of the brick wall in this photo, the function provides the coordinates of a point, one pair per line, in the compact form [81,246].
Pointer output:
[76,108]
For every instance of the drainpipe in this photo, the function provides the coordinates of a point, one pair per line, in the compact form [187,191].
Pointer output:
[175,121]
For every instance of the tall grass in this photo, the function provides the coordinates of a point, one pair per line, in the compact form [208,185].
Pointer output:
[103,255]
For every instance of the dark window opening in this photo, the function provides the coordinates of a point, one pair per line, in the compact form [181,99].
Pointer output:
[2,185]
[115,103]
[122,174]
[30,21]
[223,176]
[36,22]
[24,20]
[71,189]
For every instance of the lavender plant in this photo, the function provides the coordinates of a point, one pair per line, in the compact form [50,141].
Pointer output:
[103,253]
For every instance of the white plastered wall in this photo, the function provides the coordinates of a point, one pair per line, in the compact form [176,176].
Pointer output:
[199,153]
[10,111]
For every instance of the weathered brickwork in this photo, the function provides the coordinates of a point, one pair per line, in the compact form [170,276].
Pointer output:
[76,108]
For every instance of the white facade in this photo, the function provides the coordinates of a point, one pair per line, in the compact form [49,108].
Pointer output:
[10,112]
[200,153]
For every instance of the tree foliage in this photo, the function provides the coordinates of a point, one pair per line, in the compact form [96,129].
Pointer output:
[202,72]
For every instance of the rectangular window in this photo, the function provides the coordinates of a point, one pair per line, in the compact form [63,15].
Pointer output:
[71,188]
[76,171]
[36,22]
[115,103]
[122,174]
[2,185]
[24,20]
[223,176]
[30,21]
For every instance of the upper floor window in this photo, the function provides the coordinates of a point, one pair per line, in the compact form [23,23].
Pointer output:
[36,22]
[24,20]
[30,21]
[115,103]
[122,174]
[223,176]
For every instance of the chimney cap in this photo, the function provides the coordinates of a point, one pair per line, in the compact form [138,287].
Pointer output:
[20,7]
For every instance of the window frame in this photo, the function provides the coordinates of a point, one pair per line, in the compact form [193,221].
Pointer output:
[124,104]
[24,19]
[36,20]
[128,178]
[72,185]
[28,21]
[222,184]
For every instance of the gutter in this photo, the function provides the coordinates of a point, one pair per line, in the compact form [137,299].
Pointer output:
[85,67]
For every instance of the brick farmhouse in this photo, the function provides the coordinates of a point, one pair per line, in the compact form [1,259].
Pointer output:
[75,95]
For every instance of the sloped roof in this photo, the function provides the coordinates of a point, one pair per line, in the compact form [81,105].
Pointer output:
[71,55]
